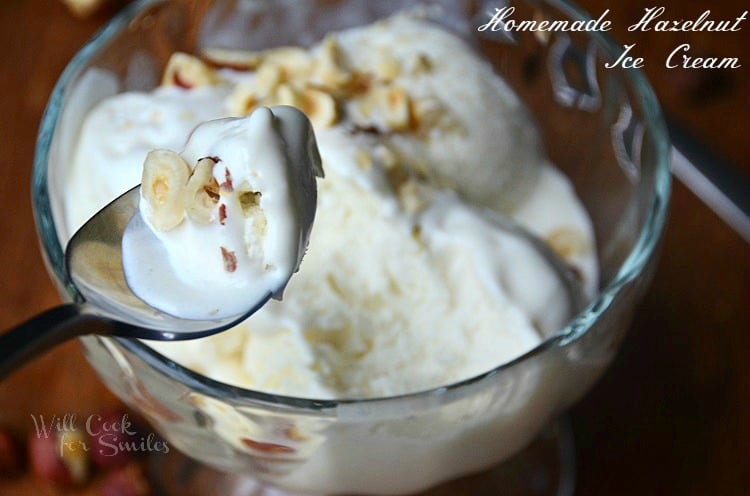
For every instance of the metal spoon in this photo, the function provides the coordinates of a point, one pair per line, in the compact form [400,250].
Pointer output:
[105,304]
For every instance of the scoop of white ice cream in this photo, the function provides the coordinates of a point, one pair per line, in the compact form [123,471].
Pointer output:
[459,131]
[229,230]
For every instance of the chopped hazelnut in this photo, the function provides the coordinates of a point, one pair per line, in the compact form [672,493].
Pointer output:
[163,185]
[567,242]
[186,71]
[230,259]
[238,60]
[202,192]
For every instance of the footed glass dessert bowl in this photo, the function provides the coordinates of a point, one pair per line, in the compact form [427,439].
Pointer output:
[602,128]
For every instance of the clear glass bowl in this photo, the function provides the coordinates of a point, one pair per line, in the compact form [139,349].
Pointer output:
[601,126]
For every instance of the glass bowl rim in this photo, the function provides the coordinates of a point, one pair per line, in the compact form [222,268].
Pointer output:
[631,268]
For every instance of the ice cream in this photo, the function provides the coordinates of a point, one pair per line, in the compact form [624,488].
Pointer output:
[228,219]
[408,283]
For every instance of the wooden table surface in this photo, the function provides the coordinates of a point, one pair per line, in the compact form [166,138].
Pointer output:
[669,417]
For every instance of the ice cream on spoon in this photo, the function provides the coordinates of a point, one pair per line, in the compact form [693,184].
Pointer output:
[226,221]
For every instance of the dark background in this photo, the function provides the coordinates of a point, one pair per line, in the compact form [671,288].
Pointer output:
[669,417]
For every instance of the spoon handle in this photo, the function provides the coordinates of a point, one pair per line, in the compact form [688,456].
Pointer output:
[40,333]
